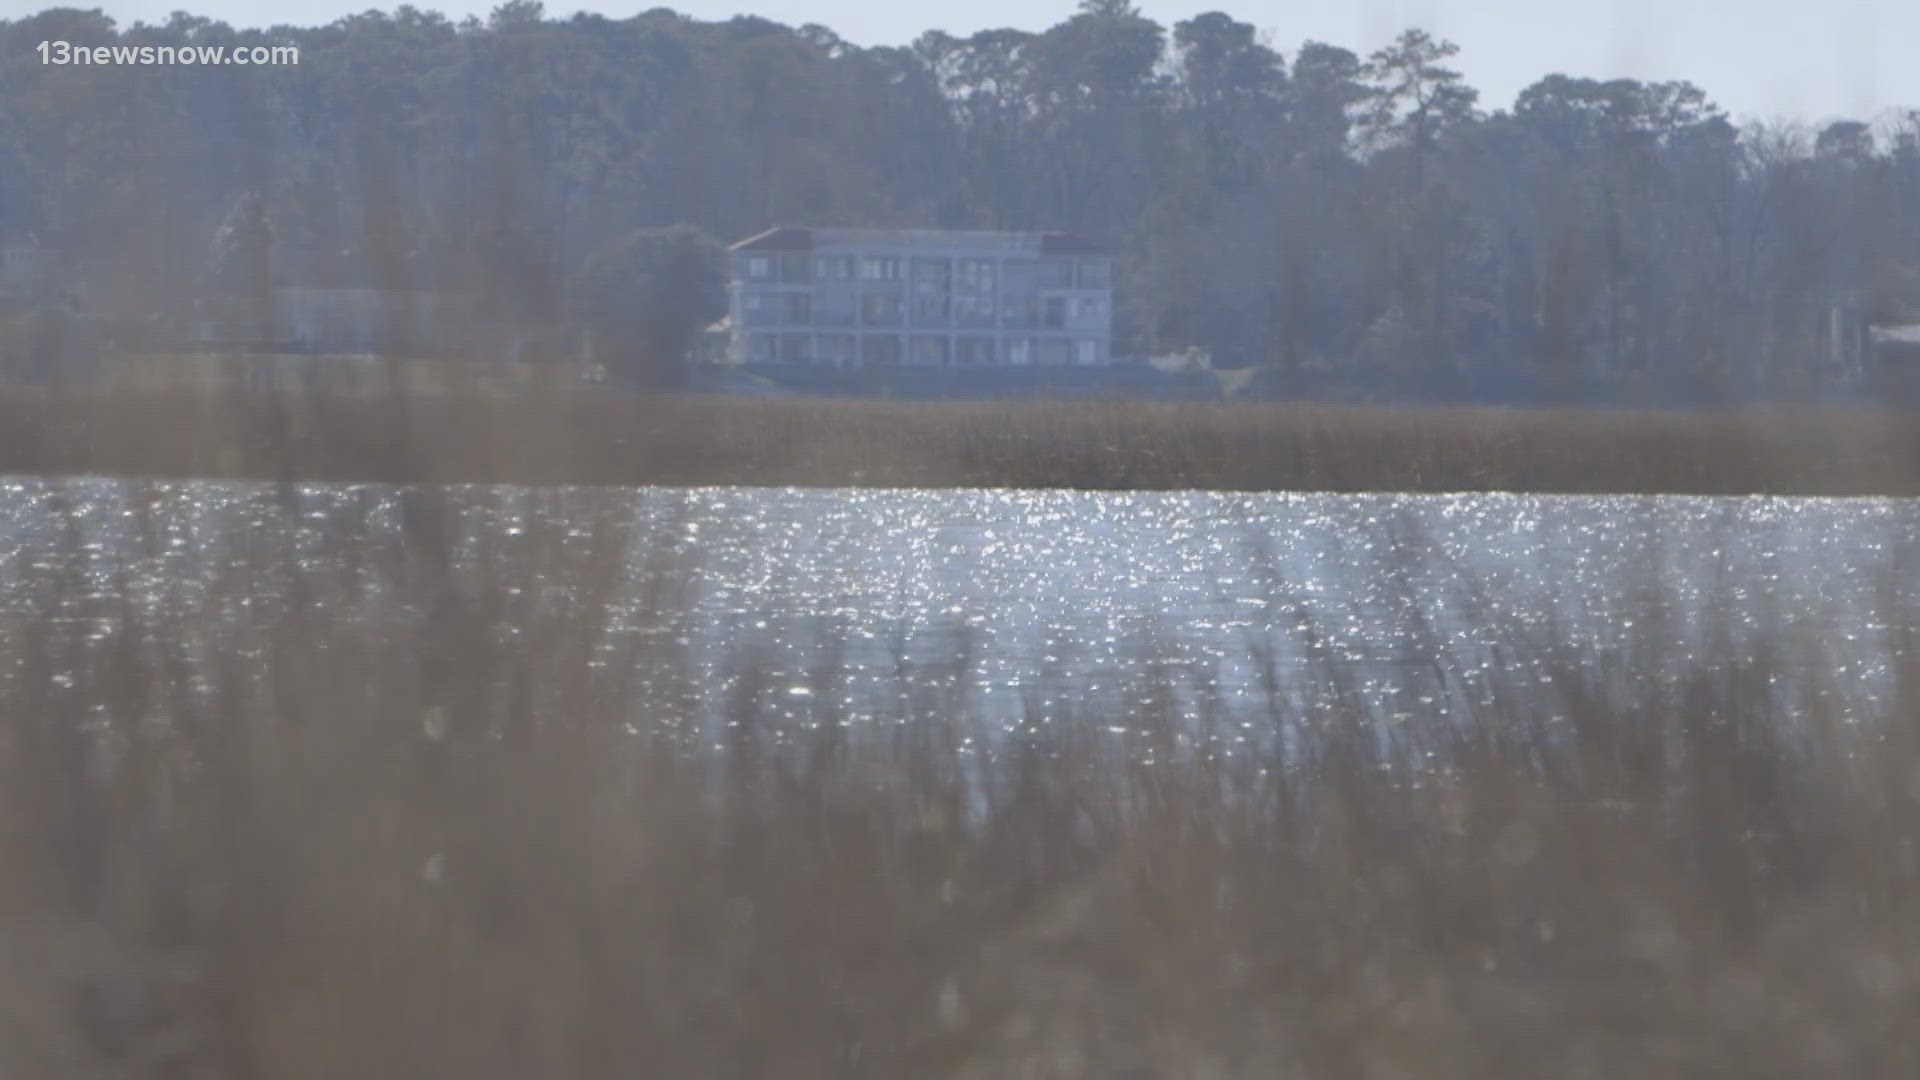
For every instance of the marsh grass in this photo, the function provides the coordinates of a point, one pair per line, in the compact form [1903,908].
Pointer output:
[402,821]
[559,434]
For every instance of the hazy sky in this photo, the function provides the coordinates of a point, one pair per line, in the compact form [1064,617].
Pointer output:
[1763,59]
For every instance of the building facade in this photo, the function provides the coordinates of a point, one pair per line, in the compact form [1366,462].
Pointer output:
[882,298]
[20,264]
[1897,343]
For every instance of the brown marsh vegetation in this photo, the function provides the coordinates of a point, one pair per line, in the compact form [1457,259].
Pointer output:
[403,822]
[576,436]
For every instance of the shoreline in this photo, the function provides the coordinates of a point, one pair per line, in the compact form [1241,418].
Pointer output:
[691,440]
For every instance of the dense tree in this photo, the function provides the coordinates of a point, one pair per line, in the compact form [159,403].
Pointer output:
[1848,141]
[241,261]
[1326,213]
[1223,66]
[1233,90]
[241,268]
[648,297]
[1413,97]
[1326,88]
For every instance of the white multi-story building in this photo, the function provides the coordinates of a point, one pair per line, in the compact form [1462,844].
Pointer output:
[878,298]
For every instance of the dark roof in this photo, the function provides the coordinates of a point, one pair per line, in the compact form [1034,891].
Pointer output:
[801,238]
[1059,243]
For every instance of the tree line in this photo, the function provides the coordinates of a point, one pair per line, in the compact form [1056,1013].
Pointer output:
[1317,211]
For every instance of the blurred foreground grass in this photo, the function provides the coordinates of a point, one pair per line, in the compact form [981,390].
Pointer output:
[575,436]
[415,830]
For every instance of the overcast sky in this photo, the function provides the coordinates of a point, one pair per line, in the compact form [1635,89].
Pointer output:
[1765,59]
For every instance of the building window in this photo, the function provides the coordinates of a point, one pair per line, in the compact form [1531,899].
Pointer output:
[1095,274]
[796,348]
[975,275]
[759,309]
[1019,294]
[879,350]
[759,268]
[762,348]
[796,269]
[973,292]
[931,278]
[834,307]
[973,351]
[1056,274]
[929,308]
[973,311]
[1086,353]
[798,308]
[1019,352]
[928,350]
[880,268]
[834,267]
[1053,313]
[880,309]
[1052,352]
[837,350]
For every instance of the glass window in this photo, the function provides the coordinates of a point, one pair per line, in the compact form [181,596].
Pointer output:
[1095,274]
[1086,353]
[796,268]
[1019,351]
[973,310]
[929,308]
[834,306]
[929,350]
[839,350]
[880,268]
[798,308]
[930,291]
[796,348]
[759,309]
[759,267]
[761,348]
[879,350]
[973,350]
[1052,351]
[880,309]
[1053,315]
[974,276]
[973,292]
[834,267]
[1056,274]
[1088,307]
[1019,289]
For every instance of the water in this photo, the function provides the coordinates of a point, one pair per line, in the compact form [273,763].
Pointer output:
[1010,609]
[548,781]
